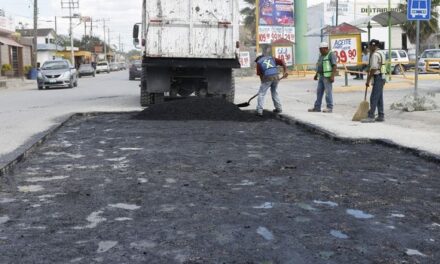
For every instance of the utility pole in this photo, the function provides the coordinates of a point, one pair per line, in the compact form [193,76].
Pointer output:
[71,5]
[337,12]
[108,36]
[105,45]
[34,50]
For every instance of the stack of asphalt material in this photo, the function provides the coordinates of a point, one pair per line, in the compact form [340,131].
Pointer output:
[215,109]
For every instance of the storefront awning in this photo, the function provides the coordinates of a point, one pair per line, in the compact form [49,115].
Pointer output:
[9,42]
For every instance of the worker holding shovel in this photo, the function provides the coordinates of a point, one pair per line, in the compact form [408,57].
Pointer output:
[268,72]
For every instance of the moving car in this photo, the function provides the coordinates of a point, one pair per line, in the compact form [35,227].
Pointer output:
[430,58]
[114,66]
[135,70]
[57,73]
[86,70]
[122,66]
[102,66]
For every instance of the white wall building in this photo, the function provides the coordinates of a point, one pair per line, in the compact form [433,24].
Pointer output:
[46,46]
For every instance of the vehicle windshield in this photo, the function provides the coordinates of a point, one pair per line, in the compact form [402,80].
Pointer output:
[55,65]
[85,66]
[137,63]
[431,54]
[102,64]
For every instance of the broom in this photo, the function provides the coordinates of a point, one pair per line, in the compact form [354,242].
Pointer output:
[362,111]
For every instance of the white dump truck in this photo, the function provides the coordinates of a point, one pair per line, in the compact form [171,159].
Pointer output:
[189,47]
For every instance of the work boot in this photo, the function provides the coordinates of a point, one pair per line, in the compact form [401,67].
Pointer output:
[380,119]
[314,110]
[368,120]
[277,111]
[328,110]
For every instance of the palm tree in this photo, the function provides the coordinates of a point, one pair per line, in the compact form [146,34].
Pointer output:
[427,28]
[249,17]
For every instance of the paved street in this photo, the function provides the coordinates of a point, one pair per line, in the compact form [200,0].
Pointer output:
[122,188]
[26,112]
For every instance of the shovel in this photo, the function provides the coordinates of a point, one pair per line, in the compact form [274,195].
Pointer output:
[248,102]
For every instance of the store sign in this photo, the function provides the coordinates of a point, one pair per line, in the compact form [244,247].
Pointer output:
[346,48]
[267,35]
[344,7]
[285,54]
[373,8]
[245,59]
[276,12]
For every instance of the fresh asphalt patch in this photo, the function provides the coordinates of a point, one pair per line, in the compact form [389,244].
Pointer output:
[222,186]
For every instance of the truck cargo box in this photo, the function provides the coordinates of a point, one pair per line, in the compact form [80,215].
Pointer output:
[191,28]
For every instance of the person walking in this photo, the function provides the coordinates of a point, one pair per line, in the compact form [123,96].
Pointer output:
[325,75]
[364,66]
[376,71]
[268,72]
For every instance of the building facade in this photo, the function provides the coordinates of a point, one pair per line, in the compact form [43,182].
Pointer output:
[47,47]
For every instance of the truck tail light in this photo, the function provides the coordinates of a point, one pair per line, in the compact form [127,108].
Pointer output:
[143,42]
[237,44]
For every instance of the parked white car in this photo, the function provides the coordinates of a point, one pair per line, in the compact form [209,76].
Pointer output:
[102,66]
[398,57]
[427,55]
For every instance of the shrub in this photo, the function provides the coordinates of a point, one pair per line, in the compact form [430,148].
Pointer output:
[26,69]
[6,67]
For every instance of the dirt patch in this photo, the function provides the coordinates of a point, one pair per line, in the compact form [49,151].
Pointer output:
[112,189]
[213,109]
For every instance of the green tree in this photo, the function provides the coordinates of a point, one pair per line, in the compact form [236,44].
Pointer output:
[250,19]
[427,28]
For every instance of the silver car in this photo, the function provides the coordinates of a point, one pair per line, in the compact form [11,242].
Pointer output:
[430,59]
[57,73]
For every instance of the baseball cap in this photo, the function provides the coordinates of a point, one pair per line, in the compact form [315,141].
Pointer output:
[374,42]
[323,45]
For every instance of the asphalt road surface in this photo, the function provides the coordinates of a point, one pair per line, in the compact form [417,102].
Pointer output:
[131,188]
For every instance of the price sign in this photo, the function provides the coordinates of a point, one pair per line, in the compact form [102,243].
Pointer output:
[347,49]
[265,35]
[289,33]
[285,54]
[245,59]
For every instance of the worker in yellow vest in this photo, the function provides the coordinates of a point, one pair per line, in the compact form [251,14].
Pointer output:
[325,75]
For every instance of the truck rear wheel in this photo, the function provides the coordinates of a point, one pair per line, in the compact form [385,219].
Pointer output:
[146,97]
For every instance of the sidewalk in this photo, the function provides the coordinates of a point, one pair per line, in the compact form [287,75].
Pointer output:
[416,130]
[13,83]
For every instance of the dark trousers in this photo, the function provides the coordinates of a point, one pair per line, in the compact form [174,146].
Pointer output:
[376,98]
[362,68]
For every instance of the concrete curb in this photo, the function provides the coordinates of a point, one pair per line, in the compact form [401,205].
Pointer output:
[34,144]
[321,131]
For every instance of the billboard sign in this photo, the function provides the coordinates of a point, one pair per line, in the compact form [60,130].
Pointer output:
[276,13]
